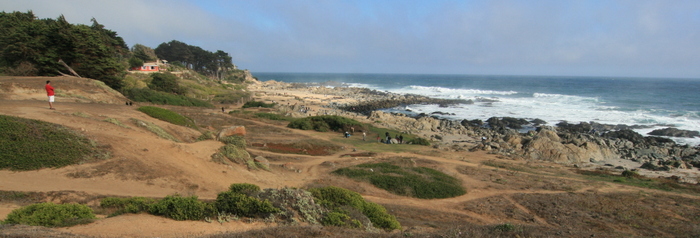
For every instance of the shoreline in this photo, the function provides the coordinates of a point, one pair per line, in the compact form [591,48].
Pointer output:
[614,154]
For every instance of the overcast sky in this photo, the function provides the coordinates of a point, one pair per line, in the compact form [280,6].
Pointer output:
[634,38]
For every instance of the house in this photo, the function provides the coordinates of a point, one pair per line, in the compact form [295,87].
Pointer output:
[148,67]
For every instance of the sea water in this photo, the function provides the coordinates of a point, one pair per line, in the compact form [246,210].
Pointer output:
[653,102]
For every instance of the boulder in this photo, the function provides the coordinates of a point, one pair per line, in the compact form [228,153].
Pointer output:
[231,131]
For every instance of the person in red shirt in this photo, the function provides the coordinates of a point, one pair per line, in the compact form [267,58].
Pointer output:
[50,93]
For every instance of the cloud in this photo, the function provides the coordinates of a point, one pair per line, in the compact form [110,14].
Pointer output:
[616,38]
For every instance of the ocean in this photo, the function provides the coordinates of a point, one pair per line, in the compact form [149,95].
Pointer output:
[655,102]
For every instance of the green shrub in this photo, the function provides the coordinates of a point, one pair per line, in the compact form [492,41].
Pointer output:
[163,98]
[271,116]
[325,123]
[419,182]
[379,216]
[335,219]
[27,144]
[258,104]
[165,82]
[51,215]
[630,174]
[244,188]
[238,141]
[168,116]
[127,205]
[419,141]
[231,153]
[181,208]
[334,198]
[301,124]
[243,205]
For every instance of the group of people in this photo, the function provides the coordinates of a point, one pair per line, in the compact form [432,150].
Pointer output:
[398,139]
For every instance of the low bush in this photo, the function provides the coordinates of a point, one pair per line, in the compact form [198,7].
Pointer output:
[258,104]
[163,98]
[181,208]
[419,182]
[231,153]
[325,123]
[27,144]
[419,141]
[336,198]
[127,205]
[272,116]
[338,218]
[238,141]
[243,205]
[167,115]
[51,215]
[244,188]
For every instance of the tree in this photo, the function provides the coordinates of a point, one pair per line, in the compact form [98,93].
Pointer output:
[135,62]
[145,53]
[92,51]
[165,82]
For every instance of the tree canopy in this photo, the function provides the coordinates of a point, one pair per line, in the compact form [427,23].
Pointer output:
[38,44]
[215,64]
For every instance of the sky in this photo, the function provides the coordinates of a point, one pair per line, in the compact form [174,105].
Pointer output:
[617,38]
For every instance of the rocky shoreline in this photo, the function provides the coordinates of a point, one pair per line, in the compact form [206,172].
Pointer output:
[584,145]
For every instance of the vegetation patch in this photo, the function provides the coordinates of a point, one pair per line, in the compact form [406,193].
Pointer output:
[258,104]
[344,202]
[634,179]
[119,206]
[167,115]
[163,98]
[27,144]
[306,147]
[116,122]
[155,129]
[51,215]
[325,123]
[181,208]
[419,182]
[272,116]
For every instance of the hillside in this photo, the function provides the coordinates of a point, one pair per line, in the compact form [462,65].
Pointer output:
[504,197]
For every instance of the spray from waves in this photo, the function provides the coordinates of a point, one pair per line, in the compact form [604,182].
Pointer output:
[450,93]
[555,108]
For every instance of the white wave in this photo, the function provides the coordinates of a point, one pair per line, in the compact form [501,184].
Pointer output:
[573,109]
[442,92]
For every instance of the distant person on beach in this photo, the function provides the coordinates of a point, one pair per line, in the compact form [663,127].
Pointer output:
[50,93]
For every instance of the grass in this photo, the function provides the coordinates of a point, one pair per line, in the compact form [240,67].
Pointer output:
[273,116]
[116,122]
[325,123]
[155,129]
[162,98]
[168,116]
[27,144]
[51,215]
[632,179]
[419,182]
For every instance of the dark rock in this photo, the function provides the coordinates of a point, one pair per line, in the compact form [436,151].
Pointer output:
[506,122]
[472,123]
[674,132]
[538,122]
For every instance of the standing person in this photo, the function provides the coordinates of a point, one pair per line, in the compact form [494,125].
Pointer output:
[364,135]
[50,93]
